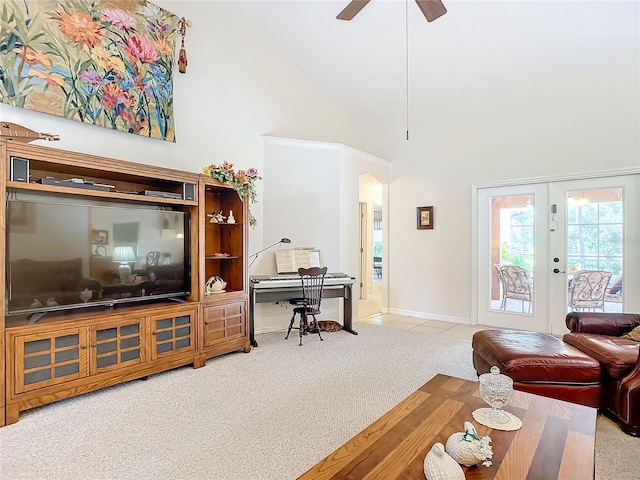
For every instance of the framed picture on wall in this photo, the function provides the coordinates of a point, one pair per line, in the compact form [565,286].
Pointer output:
[100,237]
[425,218]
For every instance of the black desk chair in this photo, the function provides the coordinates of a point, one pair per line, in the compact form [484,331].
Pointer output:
[312,283]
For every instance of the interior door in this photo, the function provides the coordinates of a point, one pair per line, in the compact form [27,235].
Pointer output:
[594,235]
[512,268]
[364,271]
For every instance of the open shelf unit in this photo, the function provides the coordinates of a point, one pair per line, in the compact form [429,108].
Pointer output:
[223,250]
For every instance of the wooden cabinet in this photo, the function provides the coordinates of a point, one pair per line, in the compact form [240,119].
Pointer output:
[62,358]
[171,334]
[47,359]
[116,345]
[225,328]
[79,350]
[223,253]
[52,358]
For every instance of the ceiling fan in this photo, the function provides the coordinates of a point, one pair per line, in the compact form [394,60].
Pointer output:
[431,9]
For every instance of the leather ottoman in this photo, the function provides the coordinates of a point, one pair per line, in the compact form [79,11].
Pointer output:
[539,363]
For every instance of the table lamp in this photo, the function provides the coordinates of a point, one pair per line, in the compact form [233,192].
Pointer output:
[124,255]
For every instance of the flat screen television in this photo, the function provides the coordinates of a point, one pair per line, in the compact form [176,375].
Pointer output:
[67,253]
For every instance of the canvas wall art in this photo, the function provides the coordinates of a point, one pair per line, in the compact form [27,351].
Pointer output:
[103,62]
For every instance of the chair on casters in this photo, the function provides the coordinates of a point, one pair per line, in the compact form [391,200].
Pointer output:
[312,282]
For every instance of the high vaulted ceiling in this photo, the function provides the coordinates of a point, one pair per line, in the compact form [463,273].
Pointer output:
[479,47]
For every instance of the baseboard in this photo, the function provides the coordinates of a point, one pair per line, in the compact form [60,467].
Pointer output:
[429,316]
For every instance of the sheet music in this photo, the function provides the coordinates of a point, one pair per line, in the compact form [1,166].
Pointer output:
[289,261]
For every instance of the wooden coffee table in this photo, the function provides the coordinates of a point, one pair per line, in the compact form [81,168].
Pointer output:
[556,441]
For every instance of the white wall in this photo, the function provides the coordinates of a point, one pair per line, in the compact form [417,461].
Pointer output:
[587,122]
[312,198]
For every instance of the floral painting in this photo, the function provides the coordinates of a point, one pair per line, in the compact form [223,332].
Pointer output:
[103,62]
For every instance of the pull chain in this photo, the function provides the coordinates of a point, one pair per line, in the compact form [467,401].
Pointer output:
[406,30]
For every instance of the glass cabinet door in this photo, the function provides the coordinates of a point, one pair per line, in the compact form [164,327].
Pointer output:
[46,359]
[117,345]
[171,334]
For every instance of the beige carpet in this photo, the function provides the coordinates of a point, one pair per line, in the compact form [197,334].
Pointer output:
[269,414]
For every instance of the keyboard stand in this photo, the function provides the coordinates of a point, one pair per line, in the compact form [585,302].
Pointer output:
[281,294]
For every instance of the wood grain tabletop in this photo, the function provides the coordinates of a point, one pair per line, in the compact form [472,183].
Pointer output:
[556,441]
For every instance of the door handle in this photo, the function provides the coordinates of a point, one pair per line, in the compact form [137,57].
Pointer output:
[557,270]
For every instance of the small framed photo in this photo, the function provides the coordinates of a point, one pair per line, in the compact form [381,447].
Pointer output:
[100,237]
[425,218]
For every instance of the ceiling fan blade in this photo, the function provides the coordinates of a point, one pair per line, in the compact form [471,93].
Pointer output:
[431,9]
[352,9]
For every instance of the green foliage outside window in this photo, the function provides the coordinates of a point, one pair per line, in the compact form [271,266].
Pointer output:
[519,260]
[595,236]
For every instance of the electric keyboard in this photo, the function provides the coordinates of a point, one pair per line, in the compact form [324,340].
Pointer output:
[284,280]
[285,286]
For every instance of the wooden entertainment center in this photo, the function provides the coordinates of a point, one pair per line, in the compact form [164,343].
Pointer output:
[71,352]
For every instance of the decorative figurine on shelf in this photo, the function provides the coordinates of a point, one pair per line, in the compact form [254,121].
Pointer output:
[468,448]
[216,217]
[231,219]
[215,284]
[438,465]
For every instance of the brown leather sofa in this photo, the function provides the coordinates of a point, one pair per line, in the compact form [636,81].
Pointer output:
[539,363]
[592,365]
[599,335]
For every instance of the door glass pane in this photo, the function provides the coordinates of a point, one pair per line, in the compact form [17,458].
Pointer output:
[130,355]
[512,253]
[64,370]
[37,376]
[595,250]
[37,345]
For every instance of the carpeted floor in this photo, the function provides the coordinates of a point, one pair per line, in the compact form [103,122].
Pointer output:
[270,414]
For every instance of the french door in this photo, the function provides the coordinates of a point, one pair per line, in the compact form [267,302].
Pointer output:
[548,248]
[512,252]
[595,246]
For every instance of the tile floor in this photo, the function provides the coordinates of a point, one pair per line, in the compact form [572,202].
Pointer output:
[421,325]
